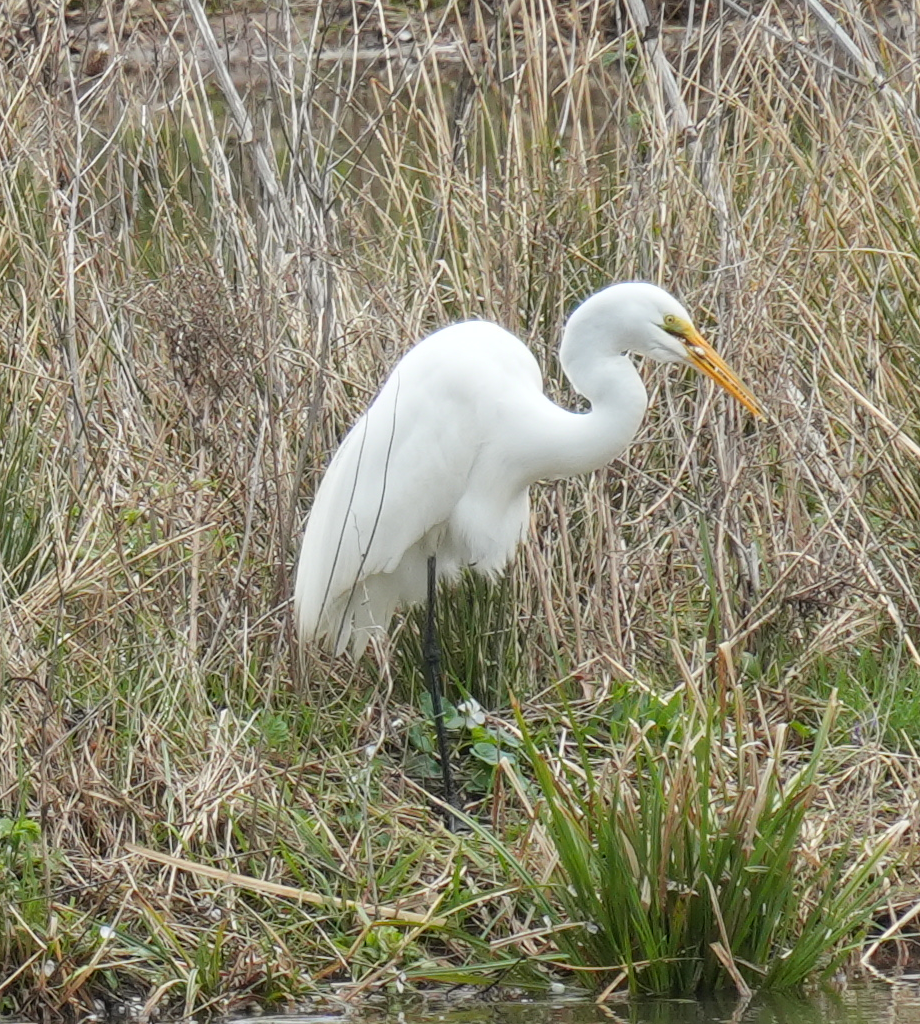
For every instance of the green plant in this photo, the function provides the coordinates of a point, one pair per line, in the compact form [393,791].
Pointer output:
[22,886]
[683,865]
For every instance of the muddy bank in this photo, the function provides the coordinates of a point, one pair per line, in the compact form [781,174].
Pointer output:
[147,40]
[150,40]
[149,43]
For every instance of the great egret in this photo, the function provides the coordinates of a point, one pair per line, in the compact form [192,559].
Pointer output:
[436,474]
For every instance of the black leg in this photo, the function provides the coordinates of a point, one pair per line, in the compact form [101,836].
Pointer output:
[432,659]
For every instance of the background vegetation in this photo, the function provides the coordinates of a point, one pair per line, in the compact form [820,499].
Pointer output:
[200,293]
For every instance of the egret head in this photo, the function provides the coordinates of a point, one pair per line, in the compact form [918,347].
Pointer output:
[644,318]
[685,344]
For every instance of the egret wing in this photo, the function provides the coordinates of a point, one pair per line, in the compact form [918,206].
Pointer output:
[396,478]
[387,498]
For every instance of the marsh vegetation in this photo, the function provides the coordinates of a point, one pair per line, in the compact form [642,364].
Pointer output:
[713,644]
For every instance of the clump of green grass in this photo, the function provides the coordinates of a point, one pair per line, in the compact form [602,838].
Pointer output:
[21,887]
[684,865]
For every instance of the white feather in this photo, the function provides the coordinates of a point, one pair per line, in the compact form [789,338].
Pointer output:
[442,461]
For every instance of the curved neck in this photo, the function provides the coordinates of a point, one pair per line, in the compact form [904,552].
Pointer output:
[590,347]
[563,443]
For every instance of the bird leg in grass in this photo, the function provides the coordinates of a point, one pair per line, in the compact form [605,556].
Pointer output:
[432,664]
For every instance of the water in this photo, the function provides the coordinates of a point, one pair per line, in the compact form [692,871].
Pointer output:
[863,1004]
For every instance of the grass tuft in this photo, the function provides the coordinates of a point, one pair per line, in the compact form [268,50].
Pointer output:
[684,863]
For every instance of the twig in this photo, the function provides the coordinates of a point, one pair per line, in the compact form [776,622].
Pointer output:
[889,933]
[866,64]
[315,899]
[897,434]
[263,165]
[663,70]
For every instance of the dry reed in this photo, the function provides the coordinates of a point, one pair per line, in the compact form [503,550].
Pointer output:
[200,293]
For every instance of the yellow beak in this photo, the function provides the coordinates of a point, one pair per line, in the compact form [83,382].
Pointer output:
[705,358]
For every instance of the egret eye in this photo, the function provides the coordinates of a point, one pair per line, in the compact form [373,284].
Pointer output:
[672,326]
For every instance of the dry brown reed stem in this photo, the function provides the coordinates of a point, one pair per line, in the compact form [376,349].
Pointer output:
[315,899]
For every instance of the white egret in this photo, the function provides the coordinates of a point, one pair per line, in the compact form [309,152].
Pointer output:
[436,474]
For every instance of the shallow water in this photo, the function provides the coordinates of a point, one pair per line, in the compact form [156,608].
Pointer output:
[863,1004]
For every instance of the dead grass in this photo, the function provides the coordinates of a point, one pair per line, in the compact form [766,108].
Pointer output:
[198,298]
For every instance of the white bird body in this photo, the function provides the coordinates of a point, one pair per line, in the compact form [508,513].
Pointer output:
[442,461]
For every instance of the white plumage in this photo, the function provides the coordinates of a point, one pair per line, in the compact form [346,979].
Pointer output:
[442,461]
